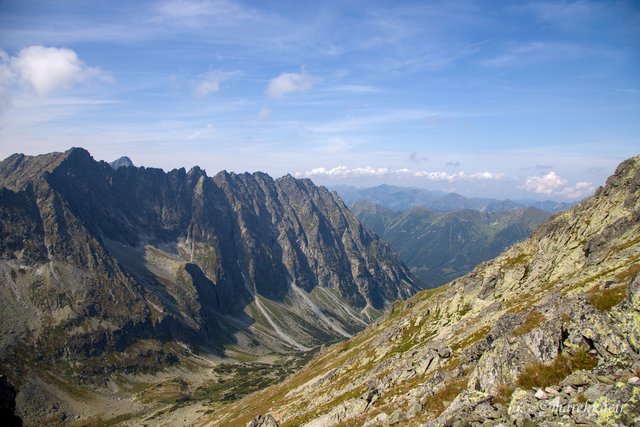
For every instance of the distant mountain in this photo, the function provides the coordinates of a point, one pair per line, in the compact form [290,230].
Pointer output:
[130,269]
[123,161]
[401,198]
[441,246]
[546,334]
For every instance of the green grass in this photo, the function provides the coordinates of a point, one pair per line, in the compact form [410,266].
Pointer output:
[169,391]
[605,298]
[517,260]
[630,272]
[471,339]
[625,245]
[436,404]
[465,309]
[540,375]
[503,394]
[533,320]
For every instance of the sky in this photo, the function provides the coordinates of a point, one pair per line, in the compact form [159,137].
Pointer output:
[505,99]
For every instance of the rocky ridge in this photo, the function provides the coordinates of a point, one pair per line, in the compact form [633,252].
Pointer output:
[548,334]
[124,269]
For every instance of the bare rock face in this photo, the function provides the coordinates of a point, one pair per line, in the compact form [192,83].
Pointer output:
[263,421]
[96,257]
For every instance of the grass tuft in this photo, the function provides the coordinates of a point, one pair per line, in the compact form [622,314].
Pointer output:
[605,298]
[503,394]
[436,404]
[540,375]
[533,320]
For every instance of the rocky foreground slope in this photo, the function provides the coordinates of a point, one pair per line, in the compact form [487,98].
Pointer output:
[122,269]
[548,334]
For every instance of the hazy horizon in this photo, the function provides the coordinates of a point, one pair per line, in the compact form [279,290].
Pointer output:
[533,99]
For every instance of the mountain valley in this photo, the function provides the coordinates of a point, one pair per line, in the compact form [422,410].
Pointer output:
[441,246]
[131,296]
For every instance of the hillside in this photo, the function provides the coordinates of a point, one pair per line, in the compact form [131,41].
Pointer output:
[441,246]
[123,270]
[553,322]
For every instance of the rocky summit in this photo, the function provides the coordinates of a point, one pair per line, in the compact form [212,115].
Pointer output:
[546,334]
[119,269]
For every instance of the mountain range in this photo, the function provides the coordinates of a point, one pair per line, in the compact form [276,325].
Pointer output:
[402,198]
[546,334]
[133,296]
[441,246]
[114,268]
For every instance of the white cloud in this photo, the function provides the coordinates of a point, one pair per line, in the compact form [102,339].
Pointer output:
[438,176]
[48,69]
[545,184]
[579,190]
[264,114]
[486,176]
[6,75]
[344,171]
[287,83]
[552,184]
[210,83]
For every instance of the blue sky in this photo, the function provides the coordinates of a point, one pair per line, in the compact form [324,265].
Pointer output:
[505,99]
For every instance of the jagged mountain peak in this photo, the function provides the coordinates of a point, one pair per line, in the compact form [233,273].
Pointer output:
[238,261]
[123,161]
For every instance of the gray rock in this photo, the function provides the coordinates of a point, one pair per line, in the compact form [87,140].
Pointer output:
[541,395]
[595,391]
[577,378]
[395,418]
[263,421]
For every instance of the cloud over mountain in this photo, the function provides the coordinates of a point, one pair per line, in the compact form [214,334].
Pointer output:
[553,184]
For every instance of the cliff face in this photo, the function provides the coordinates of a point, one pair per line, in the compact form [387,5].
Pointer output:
[94,259]
[548,333]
